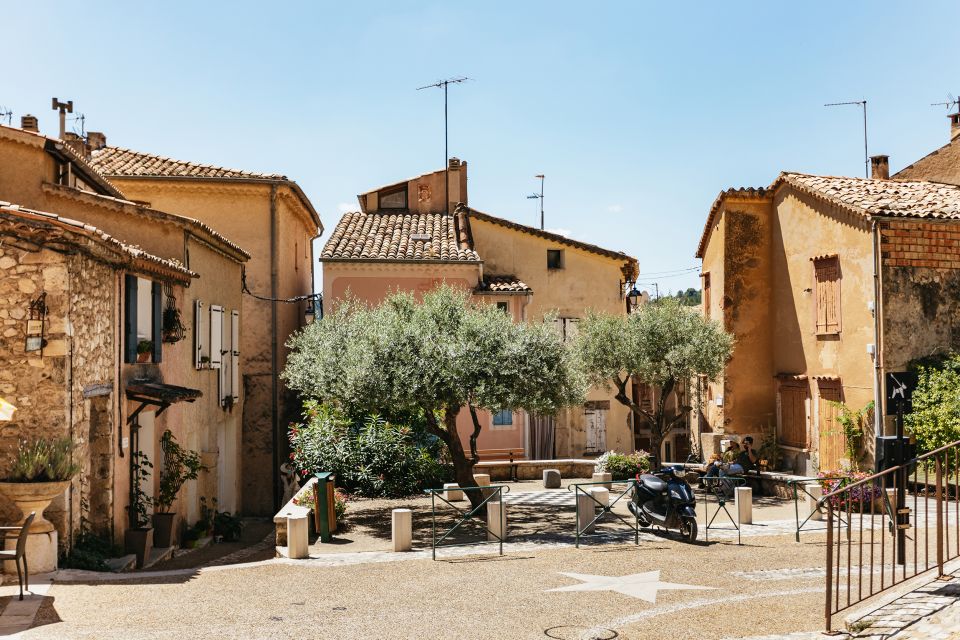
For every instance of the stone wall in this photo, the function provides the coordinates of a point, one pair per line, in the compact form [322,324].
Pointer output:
[45,388]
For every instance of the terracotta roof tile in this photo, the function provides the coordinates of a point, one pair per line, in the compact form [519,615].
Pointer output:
[396,237]
[117,161]
[502,284]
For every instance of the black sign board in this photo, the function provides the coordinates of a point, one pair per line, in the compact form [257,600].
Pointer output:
[900,386]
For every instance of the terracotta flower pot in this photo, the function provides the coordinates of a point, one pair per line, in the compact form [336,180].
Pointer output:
[140,542]
[34,496]
[163,529]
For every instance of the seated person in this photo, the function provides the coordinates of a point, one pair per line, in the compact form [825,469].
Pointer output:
[747,459]
[729,466]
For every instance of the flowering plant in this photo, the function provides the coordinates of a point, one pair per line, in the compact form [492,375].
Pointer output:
[858,496]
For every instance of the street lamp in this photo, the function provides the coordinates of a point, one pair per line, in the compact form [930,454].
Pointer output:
[633,297]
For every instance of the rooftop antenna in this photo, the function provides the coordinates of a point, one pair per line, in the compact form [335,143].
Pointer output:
[446,155]
[6,112]
[949,103]
[82,119]
[538,196]
[64,108]
[862,103]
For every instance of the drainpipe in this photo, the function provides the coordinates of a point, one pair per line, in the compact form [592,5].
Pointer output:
[877,334]
[274,359]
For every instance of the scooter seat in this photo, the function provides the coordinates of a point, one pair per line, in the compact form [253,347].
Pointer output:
[653,483]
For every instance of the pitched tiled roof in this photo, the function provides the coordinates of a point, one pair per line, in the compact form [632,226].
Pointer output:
[51,229]
[940,165]
[468,213]
[117,161]
[502,284]
[867,197]
[396,237]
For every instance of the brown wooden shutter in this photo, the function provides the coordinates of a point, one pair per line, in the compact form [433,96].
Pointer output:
[793,414]
[827,275]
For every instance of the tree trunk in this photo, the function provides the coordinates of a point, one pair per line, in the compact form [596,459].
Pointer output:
[462,465]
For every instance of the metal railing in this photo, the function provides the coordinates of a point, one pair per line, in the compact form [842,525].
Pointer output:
[802,484]
[491,493]
[604,509]
[717,486]
[881,547]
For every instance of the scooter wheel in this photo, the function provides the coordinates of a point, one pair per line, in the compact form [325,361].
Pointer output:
[688,529]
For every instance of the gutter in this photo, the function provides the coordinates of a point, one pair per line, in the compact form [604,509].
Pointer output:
[877,331]
[274,355]
[397,261]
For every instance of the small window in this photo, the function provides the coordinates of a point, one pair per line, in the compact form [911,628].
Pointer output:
[142,324]
[503,417]
[827,290]
[554,259]
[568,328]
[503,306]
[706,295]
[396,199]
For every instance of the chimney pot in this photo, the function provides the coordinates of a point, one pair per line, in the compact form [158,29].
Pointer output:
[30,123]
[880,167]
[954,125]
[454,163]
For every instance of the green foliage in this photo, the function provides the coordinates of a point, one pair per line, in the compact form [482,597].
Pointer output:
[769,449]
[370,457]
[144,346]
[44,461]
[689,298]
[935,420]
[853,425]
[623,466]
[179,465]
[227,526]
[139,510]
[90,552]
[339,504]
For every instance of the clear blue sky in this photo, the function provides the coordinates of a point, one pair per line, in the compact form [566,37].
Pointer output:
[638,113]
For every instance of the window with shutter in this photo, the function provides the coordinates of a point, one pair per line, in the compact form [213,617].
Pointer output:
[216,336]
[224,374]
[130,324]
[706,295]
[827,276]
[235,354]
[200,351]
[793,414]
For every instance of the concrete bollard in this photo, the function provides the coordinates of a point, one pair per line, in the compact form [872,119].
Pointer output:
[601,495]
[496,520]
[814,493]
[298,537]
[606,478]
[452,492]
[551,479]
[483,480]
[585,512]
[402,530]
[744,501]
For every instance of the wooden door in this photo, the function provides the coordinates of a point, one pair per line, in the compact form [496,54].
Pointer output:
[831,439]
[793,415]
[595,420]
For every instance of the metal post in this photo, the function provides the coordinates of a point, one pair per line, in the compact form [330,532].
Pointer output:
[940,523]
[433,512]
[901,489]
[446,155]
[829,594]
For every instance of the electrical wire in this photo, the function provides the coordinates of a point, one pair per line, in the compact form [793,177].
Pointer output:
[293,300]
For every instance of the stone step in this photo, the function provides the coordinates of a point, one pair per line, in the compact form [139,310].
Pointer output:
[123,563]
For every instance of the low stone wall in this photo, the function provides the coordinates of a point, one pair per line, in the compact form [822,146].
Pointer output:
[500,470]
[774,483]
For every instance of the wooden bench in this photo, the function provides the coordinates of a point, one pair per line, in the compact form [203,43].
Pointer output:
[504,454]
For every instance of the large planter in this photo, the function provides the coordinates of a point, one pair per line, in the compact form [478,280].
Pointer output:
[139,541]
[163,529]
[34,497]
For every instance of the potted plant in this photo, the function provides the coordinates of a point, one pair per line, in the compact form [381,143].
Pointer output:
[144,349]
[41,471]
[179,465]
[138,538]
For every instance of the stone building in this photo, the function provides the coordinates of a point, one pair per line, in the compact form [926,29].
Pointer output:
[828,284]
[403,238]
[271,217]
[140,340]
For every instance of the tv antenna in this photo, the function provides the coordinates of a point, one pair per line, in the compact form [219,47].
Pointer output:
[83,120]
[949,103]
[538,196]
[862,103]
[6,112]
[446,154]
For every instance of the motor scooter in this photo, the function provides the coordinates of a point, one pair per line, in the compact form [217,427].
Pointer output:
[665,499]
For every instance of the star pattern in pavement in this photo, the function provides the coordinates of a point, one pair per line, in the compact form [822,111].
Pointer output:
[636,585]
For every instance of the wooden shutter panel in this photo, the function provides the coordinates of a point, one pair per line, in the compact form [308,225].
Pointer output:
[235,354]
[225,376]
[827,276]
[130,318]
[216,336]
[199,337]
[156,294]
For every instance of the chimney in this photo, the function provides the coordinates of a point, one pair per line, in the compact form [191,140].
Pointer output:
[954,125]
[454,163]
[30,123]
[96,140]
[880,167]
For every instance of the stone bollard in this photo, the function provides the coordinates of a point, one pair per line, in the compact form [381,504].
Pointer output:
[551,479]
[606,478]
[483,480]
[452,492]
[585,512]
[496,520]
[744,501]
[298,537]
[815,492]
[601,495]
[402,530]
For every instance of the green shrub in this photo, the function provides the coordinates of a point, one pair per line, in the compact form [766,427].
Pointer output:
[623,466]
[44,461]
[90,552]
[935,420]
[370,456]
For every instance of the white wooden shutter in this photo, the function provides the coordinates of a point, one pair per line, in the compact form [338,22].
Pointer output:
[199,336]
[571,326]
[225,360]
[216,336]
[235,354]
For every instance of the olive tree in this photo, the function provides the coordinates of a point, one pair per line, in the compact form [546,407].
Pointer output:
[439,356]
[663,344]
